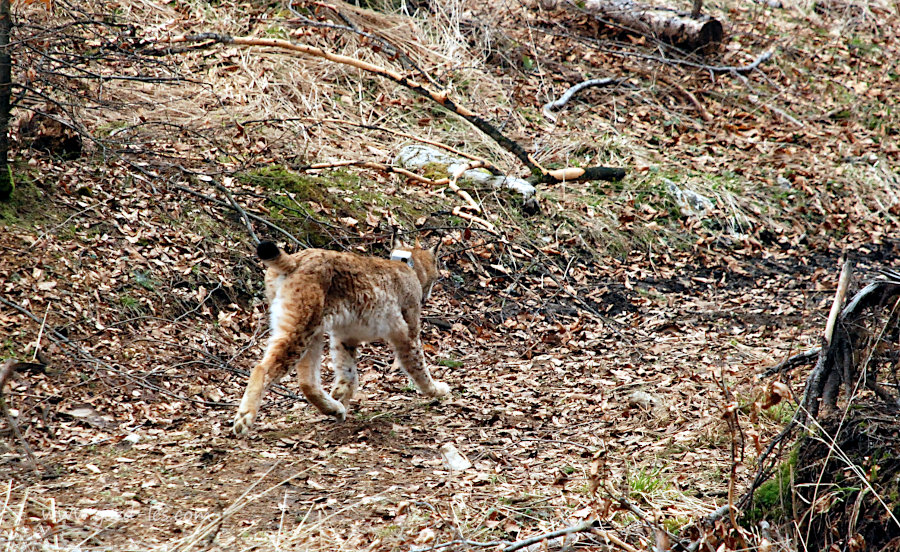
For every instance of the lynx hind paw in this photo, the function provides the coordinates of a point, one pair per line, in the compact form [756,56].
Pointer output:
[441,389]
[242,424]
[342,393]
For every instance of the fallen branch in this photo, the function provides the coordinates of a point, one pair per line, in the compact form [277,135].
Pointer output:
[688,33]
[551,107]
[506,546]
[476,219]
[543,175]
[459,191]
[743,69]
[791,362]
[6,371]
[389,49]
[255,217]
[706,115]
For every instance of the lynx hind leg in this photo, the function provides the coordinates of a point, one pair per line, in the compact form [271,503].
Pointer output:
[274,365]
[346,378]
[412,360]
[309,372]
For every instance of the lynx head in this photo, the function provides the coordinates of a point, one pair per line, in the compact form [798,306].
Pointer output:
[423,262]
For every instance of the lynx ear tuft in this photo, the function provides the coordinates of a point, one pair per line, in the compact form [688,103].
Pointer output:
[437,247]
[267,250]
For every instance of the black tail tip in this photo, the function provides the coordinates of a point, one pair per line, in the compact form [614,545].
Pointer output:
[267,250]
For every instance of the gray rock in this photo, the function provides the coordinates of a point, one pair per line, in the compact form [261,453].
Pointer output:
[690,202]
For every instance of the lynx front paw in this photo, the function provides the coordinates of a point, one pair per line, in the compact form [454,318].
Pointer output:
[441,389]
[242,423]
[340,413]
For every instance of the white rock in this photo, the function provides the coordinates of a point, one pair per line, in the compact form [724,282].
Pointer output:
[99,515]
[453,459]
[128,441]
[642,399]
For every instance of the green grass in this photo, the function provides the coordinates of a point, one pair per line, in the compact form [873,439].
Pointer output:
[308,205]
[131,304]
[647,481]
[25,206]
[773,499]
[781,412]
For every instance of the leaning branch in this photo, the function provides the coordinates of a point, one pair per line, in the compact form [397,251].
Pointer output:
[236,206]
[591,173]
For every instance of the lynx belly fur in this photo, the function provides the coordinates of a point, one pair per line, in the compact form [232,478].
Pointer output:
[353,299]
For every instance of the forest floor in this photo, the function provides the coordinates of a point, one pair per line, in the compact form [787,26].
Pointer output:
[591,348]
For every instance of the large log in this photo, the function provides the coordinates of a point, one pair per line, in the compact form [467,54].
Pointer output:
[677,28]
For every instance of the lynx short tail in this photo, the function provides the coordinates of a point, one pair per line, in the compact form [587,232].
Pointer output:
[273,257]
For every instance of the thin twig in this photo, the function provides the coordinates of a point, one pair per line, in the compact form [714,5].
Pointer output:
[239,504]
[599,45]
[634,509]
[37,342]
[373,165]
[706,115]
[710,521]
[550,107]
[583,527]
[240,210]
[81,355]
[792,361]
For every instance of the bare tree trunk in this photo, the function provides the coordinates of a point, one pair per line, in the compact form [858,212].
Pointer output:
[680,29]
[6,185]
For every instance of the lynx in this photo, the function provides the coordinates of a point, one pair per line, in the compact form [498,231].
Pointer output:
[354,299]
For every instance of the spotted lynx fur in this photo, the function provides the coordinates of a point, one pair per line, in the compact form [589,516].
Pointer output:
[353,299]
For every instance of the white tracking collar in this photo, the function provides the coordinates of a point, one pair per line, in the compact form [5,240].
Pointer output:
[401,255]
